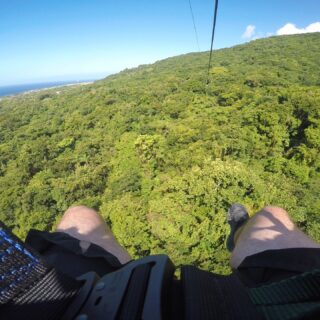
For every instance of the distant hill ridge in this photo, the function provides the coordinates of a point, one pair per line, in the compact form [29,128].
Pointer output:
[162,155]
[287,54]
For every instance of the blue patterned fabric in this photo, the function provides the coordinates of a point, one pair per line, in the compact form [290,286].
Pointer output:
[19,266]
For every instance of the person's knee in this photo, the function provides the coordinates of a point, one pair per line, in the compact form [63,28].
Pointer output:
[77,208]
[76,213]
[82,218]
[272,219]
[80,211]
[276,212]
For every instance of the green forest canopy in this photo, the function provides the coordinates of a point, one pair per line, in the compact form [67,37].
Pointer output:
[162,155]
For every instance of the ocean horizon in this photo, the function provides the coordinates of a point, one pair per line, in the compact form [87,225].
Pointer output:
[22,88]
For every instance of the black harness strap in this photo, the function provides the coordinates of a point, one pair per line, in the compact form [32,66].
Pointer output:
[295,298]
[210,296]
[132,303]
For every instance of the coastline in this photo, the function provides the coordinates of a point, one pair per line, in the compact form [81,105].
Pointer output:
[44,89]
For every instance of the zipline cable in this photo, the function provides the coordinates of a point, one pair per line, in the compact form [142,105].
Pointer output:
[194,25]
[212,37]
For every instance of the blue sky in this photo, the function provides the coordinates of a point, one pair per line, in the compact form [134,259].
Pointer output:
[82,39]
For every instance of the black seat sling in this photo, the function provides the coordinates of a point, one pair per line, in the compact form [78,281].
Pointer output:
[143,289]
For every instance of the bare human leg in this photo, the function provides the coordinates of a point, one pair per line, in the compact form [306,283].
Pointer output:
[86,225]
[271,228]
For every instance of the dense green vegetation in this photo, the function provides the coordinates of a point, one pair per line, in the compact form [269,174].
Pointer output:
[162,155]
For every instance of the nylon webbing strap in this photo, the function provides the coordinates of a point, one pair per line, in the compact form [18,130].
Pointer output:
[132,303]
[27,285]
[293,298]
[210,296]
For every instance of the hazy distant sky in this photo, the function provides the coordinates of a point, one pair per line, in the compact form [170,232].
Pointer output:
[44,40]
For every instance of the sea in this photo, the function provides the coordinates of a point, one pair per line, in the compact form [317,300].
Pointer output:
[16,89]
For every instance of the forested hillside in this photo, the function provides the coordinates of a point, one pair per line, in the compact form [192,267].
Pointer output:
[162,155]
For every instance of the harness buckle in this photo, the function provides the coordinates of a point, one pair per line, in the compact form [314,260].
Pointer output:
[139,290]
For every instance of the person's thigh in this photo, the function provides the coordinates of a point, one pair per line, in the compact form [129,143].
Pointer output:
[87,225]
[64,253]
[269,229]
